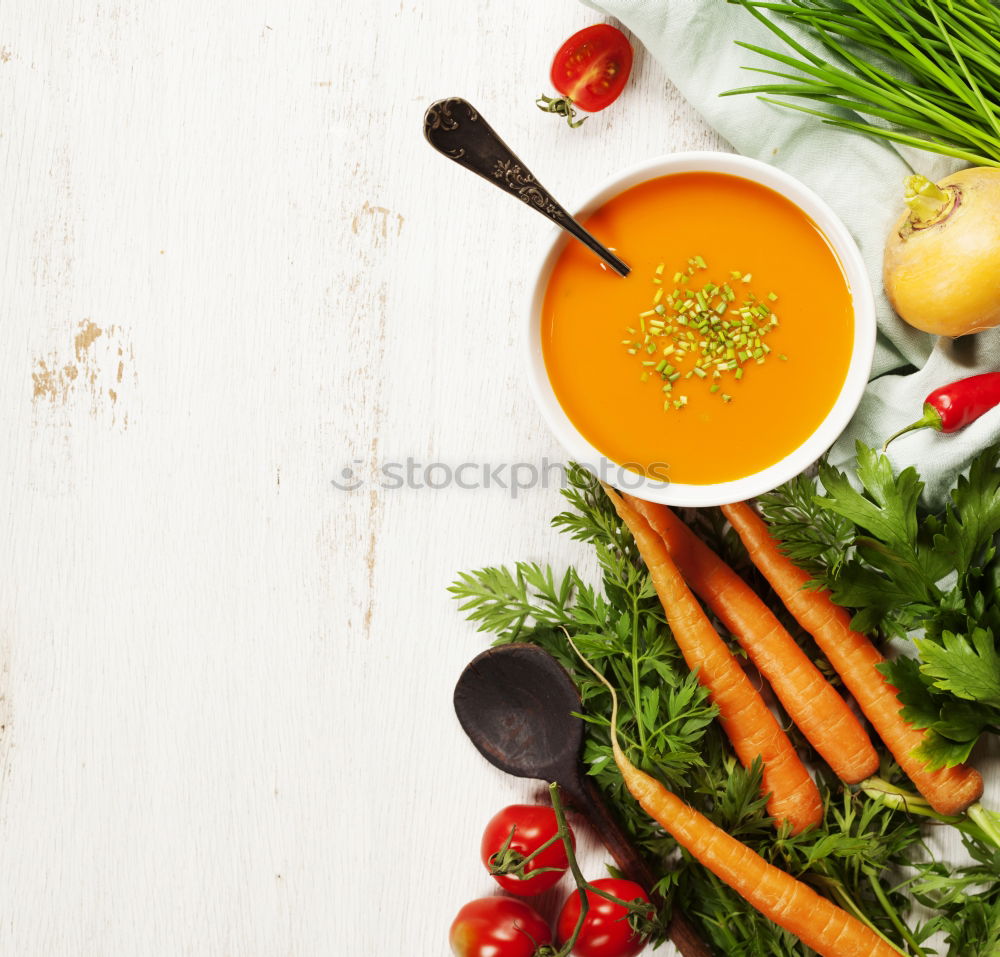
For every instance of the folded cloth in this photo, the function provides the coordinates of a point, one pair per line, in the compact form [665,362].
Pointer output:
[861,177]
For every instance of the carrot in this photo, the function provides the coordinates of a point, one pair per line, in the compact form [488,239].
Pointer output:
[855,659]
[745,717]
[816,921]
[810,700]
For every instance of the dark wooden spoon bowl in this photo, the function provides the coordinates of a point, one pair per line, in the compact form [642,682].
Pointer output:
[516,703]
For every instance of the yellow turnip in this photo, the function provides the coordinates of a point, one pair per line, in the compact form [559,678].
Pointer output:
[942,259]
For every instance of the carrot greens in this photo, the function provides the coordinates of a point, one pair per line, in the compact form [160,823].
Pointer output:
[930,576]
[867,855]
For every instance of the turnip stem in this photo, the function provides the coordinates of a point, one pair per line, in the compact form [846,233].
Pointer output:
[927,201]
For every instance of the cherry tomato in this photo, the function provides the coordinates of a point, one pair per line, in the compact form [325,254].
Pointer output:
[606,931]
[533,825]
[590,70]
[498,927]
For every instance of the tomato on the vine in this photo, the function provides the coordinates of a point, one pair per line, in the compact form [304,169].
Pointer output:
[498,927]
[606,930]
[527,827]
[590,70]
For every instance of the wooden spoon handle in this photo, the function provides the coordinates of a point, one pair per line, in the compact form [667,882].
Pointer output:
[587,799]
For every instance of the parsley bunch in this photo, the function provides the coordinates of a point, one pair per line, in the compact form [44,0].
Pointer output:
[931,577]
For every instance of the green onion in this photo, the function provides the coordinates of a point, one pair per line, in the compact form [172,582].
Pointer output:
[916,72]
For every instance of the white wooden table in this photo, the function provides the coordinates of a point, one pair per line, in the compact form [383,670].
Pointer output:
[233,269]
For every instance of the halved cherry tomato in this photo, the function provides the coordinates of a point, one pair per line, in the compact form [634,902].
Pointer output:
[606,930]
[498,927]
[590,71]
[528,827]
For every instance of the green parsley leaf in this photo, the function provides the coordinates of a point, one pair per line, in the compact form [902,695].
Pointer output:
[969,669]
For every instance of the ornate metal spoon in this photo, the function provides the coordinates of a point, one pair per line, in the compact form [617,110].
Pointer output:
[455,128]
[519,707]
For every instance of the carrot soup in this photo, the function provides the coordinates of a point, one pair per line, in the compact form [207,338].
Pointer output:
[725,347]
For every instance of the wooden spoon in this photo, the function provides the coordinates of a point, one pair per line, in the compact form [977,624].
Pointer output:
[517,703]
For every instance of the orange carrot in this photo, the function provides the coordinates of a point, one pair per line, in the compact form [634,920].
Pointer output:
[854,657]
[745,717]
[816,921]
[810,700]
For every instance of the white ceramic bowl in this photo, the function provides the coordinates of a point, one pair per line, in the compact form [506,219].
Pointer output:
[675,493]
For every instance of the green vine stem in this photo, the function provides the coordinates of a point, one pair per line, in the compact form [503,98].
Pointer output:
[561,106]
[639,910]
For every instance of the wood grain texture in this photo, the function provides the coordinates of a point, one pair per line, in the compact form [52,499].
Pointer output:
[232,269]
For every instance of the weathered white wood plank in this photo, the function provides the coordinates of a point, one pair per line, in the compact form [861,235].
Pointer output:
[231,270]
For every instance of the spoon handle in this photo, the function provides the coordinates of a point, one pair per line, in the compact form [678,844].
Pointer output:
[586,798]
[455,128]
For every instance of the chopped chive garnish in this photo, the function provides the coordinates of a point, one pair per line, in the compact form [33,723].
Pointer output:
[712,327]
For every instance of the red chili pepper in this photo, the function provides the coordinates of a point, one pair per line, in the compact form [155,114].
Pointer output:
[956,405]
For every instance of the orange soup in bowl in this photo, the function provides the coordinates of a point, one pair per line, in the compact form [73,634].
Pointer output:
[722,351]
